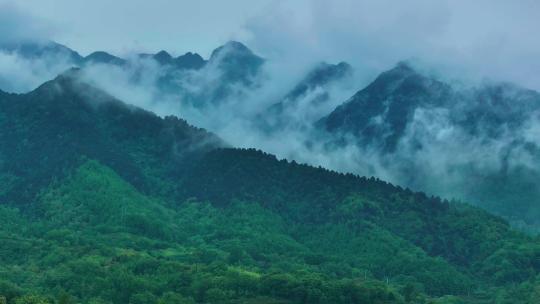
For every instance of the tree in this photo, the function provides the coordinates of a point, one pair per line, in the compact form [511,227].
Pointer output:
[32,299]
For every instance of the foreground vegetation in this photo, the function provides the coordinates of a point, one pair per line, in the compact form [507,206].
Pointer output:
[96,239]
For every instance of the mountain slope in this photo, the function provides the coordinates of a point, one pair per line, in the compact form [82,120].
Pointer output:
[473,143]
[231,71]
[135,249]
[246,250]
[49,129]
[392,98]
[307,99]
[109,203]
[189,61]
[43,50]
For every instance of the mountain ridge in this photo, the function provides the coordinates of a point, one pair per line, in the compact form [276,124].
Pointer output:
[69,101]
[156,210]
[34,50]
[410,120]
[395,120]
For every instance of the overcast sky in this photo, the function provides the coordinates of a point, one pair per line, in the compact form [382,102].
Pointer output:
[123,25]
[488,38]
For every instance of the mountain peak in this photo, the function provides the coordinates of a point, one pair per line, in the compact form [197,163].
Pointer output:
[237,46]
[402,69]
[404,65]
[71,83]
[344,65]
[402,74]
[190,55]
[163,53]
[189,61]
[103,57]
[393,95]
[163,57]
[325,72]
[232,47]
[238,62]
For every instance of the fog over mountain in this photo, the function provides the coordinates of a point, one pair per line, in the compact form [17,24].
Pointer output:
[310,88]
[114,204]
[269,152]
[478,143]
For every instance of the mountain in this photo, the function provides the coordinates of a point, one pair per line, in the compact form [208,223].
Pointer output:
[395,95]
[237,63]
[107,203]
[104,58]
[392,97]
[162,57]
[231,72]
[321,75]
[309,95]
[47,131]
[189,61]
[474,143]
[43,50]
[51,50]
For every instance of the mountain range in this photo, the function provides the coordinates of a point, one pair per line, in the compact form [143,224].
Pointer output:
[105,202]
[476,143]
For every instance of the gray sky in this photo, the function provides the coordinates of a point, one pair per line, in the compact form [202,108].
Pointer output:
[483,38]
[120,26]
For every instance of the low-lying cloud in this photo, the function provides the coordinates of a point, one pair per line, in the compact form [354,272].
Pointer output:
[455,40]
[20,75]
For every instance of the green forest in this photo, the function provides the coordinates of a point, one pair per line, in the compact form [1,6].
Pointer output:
[104,203]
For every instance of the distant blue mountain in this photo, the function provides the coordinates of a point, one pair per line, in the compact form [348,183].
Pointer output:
[104,58]
[35,50]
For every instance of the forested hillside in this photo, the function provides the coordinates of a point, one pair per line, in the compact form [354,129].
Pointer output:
[106,203]
[474,142]
[45,132]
